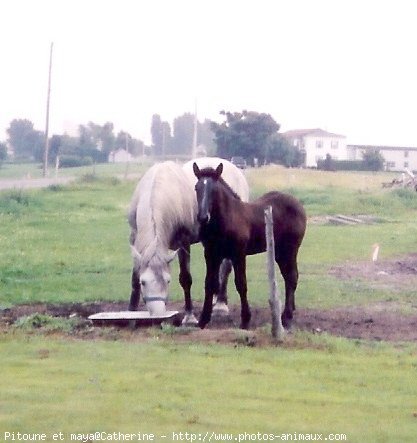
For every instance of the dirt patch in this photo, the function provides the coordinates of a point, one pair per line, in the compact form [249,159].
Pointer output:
[398,275]
[382,321]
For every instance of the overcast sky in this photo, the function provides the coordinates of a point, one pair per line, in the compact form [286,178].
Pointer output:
[346,66]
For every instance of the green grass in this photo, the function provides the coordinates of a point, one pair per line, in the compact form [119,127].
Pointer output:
[162,387]
[35,170]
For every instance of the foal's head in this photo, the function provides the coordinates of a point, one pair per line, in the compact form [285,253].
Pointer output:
[209,188]
[206,182]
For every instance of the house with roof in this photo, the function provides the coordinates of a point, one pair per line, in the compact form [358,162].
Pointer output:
[395,158]
[316,143]
[120,156]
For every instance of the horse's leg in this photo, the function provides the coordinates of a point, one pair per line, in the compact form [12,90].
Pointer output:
[186,282]
[287,263]
[135,294]
[220,307]
[239,266]
[211,286]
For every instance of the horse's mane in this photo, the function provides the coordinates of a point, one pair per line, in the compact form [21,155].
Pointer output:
[162,202]
[211,173]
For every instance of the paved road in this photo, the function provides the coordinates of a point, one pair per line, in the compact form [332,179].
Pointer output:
[34,182]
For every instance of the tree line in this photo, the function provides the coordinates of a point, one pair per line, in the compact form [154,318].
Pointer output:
[92,144]
[252,135]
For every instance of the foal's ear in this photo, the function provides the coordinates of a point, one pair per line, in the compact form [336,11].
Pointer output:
[196,170]
[219,171]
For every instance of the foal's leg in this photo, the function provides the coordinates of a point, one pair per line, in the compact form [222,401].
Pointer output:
[288,266]
[135,294]
[220,308]
[186,282]
[211,286]
[239,265]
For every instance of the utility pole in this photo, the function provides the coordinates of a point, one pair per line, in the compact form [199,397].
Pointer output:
[45,156]
[127,155]
[163,141]
[194,148]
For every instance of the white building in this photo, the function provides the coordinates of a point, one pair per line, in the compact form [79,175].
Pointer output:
[120,156]
[315,144]
[396,158]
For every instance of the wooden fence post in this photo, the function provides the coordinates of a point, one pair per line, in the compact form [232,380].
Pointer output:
[275,304]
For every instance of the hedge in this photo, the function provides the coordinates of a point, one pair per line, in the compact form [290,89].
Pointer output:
[73,161]
[344,165]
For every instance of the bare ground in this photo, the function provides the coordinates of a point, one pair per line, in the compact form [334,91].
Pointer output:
[382,321]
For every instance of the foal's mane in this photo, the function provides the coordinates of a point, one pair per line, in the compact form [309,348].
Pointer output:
[211,173]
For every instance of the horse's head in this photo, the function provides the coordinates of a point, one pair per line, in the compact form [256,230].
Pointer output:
[154,275]
[206,179]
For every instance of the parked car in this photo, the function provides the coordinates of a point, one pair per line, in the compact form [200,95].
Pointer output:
[240,162]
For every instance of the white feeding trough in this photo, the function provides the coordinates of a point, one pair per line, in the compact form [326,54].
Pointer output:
[133,318]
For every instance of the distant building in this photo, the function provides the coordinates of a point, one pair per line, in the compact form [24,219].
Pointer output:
[396,158]
[201,151]
[120,156]
[10,150]
[315,144]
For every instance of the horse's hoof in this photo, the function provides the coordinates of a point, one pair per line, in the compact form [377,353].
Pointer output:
[220,309]
[189,320]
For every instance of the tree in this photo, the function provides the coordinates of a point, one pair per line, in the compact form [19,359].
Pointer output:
[183,128]
[134,146]
[3,153]
[280,150]
[69,145]
[96,141]
[245,134]
[120,142]
[137,147]
[25,141]
[183,134]
[107,138]
[329,163]
[205,136]
[161,136]
[373,160]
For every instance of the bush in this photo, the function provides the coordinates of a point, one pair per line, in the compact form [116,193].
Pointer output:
[344,165]
[373,160]
[73,161]
[16,201]
[47,323]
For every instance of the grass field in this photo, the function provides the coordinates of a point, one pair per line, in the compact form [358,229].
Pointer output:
[51,385]
[70,244]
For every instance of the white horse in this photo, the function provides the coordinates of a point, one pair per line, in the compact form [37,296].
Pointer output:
[163,221]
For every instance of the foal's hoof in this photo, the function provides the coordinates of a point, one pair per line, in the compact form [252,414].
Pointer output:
[202,324]
[189,320]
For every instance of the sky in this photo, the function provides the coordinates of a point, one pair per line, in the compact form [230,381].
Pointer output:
[349,67]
